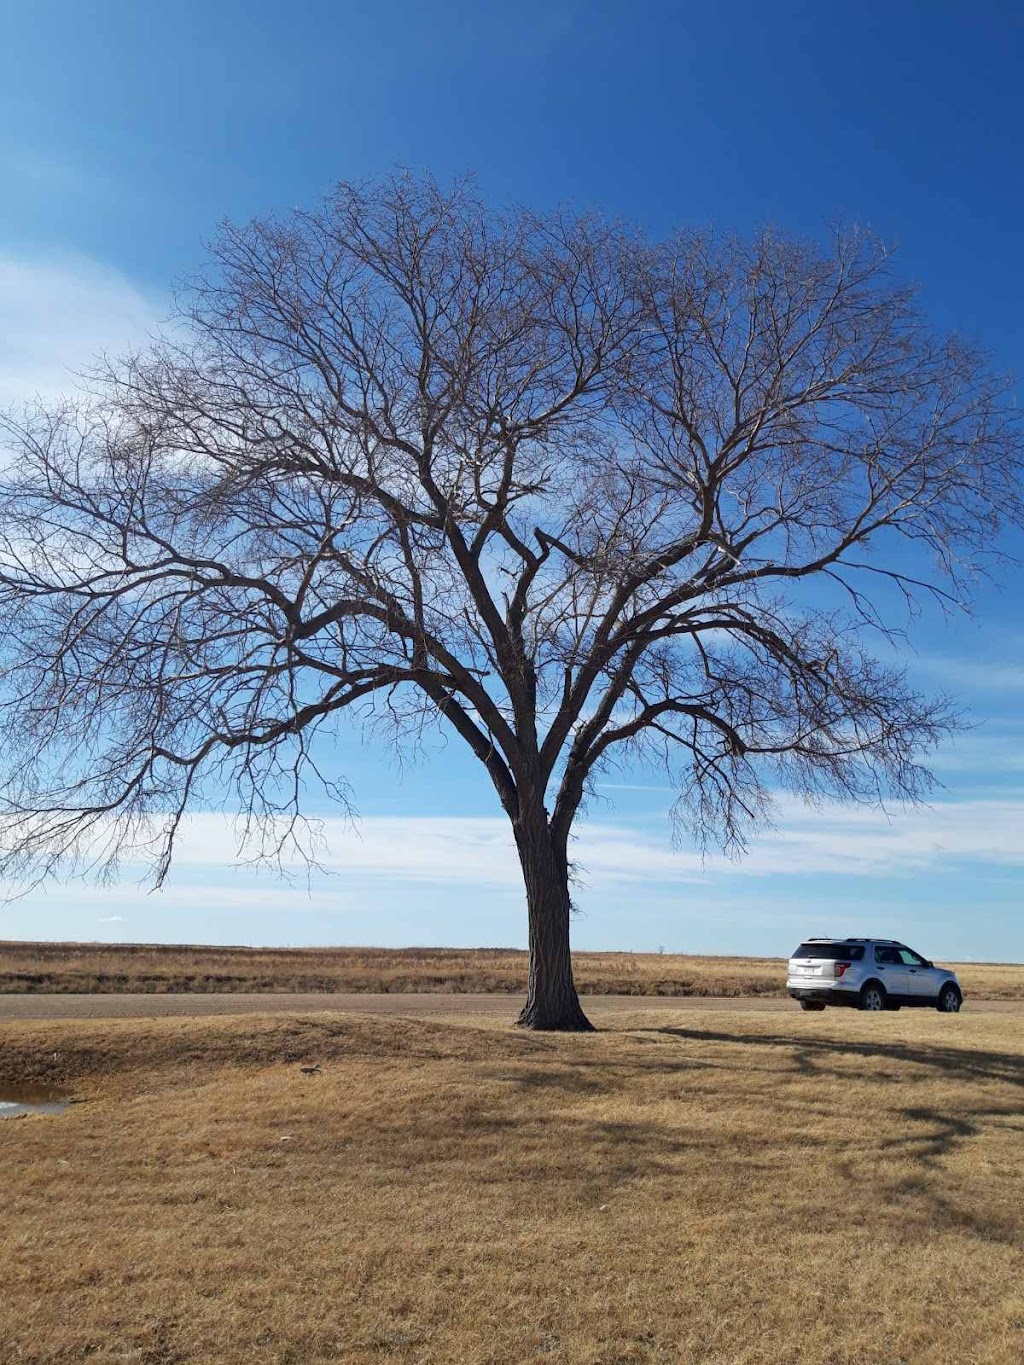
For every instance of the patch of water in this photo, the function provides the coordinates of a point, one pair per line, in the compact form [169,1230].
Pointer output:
[32,1099]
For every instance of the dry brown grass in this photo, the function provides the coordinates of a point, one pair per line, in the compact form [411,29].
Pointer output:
[723,1188]
[91,967]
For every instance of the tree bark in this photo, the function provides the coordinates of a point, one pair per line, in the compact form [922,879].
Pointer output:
[551,999]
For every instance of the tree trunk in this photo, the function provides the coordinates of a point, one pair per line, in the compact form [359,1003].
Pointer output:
[551,999]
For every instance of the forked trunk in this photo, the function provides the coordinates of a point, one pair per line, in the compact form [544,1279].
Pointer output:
[551,999]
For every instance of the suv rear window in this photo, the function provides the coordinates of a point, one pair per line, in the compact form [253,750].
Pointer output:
[832,952]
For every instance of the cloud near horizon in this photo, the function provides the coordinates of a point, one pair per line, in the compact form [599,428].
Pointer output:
[805,840]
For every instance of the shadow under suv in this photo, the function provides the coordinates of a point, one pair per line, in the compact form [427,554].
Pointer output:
[869,974]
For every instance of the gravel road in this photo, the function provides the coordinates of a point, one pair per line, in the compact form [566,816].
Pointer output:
[417,1006]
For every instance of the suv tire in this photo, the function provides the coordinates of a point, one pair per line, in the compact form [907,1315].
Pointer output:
[872,996]
[949,1000]
[812,1004]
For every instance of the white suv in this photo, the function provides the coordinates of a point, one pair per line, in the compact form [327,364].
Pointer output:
[869,973]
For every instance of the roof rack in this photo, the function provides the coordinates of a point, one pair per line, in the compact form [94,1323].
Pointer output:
[868,938]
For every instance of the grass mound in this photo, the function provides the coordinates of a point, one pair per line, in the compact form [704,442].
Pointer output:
[728,1188]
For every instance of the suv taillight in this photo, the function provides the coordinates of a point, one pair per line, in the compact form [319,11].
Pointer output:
[842,967]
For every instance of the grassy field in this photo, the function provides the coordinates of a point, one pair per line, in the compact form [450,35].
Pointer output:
[91,967]
[726,1189]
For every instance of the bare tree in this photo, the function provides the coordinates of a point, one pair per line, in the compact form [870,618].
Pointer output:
[579,497]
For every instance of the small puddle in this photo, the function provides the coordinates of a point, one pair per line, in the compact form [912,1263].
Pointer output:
[32,1099]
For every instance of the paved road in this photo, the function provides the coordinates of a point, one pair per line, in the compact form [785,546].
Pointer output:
[419,1006]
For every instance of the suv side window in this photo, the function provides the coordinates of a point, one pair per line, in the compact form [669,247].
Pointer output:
[887,957]
[912,959]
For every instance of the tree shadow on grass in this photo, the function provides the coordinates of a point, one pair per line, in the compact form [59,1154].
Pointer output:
[591,1076]
[931,1134]
[812,1055]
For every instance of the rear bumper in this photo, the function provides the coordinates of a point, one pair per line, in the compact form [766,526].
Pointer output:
[826,995]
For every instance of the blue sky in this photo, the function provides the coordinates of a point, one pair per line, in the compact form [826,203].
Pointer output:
[128,130]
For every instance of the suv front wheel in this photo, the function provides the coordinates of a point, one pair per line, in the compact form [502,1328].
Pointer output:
[949,999]
[872,997]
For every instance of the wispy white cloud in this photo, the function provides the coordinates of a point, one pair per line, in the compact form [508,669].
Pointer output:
[990,753]
[973,672]
[420,848]
[57,315]
[829,839]
[858,840]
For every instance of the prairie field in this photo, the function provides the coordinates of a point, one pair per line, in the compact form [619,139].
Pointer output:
[159,968]
[725,1188]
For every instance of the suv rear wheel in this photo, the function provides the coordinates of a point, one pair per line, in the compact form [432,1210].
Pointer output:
[812,1004]
[949,999]
[872,997]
